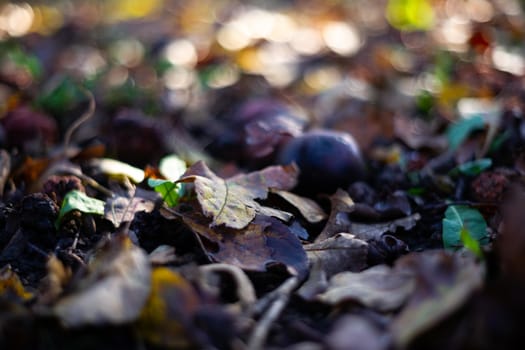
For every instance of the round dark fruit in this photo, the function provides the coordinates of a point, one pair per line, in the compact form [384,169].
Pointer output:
[327,160]
[29,130]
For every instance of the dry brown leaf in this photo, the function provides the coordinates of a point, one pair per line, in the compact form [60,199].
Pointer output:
[232,201]
[380,287]
[338,253]
[114,290]
[443,283]
[121,209]
[264,242]
[168,312]
[308,208]
[375,231]
[341,203]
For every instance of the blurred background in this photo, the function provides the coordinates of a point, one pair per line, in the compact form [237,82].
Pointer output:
[349,65]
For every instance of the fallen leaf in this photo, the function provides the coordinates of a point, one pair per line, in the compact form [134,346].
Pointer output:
[264,242]
[308,208]
[76,200]
[464,226]
[170,192]
[368,232]
[232,201]
[114,290]
[443,283]
[337,222]
[114,167]
[121,209]
[166,317]
[11,286]
[380,287]
[338,253]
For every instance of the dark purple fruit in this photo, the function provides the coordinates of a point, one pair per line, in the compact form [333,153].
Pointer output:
[137,139]
[327,160]
[29,130]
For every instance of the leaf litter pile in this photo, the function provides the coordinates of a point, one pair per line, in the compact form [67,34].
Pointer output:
[262,175]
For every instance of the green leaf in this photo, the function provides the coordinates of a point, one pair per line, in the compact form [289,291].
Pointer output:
[63,96]
[470,243]
[464,227]
[76,200]
[170,192]
[475,167]
[458,132]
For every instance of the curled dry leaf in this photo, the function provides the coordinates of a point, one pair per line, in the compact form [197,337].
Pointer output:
[232,201]
[341,203]
[443,283]
[264,242]
[339,253]
[114,290]
[380,287]
[308,208]
[375,231]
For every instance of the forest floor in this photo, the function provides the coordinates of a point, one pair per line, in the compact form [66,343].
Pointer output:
[262,175]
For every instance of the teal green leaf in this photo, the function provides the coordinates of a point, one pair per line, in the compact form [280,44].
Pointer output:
[475,167]
[170,192]
[76,200]
[464,227]
[459,132]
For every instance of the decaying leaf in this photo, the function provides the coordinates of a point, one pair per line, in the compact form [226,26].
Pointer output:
[341,203]
[166,316]
[232,201]
[264,242]
[309,209]
[443,282]
[114,290]
[379,287]
[121,209]
[338,253]
[368,232]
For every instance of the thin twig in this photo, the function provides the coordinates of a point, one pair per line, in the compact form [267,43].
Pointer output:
[261,330]
[83,118]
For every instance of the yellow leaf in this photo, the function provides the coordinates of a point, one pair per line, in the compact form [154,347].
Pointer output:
[10,284]
[169,307]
